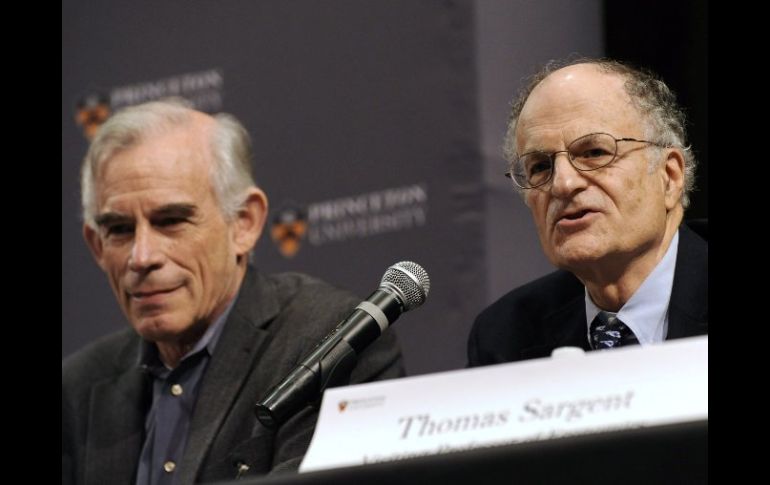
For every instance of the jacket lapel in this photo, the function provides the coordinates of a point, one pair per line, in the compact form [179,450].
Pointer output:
[114,445]
[234,357]
[565,327]
[688,308]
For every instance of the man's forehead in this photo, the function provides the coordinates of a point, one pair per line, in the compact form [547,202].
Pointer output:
[579,83]
[159,173]
[180,148]
[574,102]
[586,72]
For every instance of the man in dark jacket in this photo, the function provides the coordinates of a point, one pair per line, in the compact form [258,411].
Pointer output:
[171,214]
[598,151]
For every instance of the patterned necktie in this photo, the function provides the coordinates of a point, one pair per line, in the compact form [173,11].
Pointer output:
[608,332]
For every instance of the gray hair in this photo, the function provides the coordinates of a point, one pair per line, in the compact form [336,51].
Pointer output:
[231,173]
[650,95]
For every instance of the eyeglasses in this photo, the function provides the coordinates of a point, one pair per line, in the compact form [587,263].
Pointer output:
[589,152]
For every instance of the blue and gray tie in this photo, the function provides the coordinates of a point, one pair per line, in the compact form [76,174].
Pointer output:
[608,332]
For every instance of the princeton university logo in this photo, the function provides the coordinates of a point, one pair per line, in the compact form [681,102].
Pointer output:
[288,230]
[351,405]
[204,90]
[346,218]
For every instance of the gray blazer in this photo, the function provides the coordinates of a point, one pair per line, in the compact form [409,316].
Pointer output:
[275,321]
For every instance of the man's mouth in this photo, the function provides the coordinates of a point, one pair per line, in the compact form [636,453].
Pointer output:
[575,220]
[148,293]
[574,215]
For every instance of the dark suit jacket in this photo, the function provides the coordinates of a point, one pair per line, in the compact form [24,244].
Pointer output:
[275,321]
[532,320]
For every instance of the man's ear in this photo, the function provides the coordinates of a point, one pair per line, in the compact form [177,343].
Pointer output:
[673,177]
[249,221]
[94,242]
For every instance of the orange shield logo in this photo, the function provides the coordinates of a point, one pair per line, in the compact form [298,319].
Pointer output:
[91,112]
[288,230]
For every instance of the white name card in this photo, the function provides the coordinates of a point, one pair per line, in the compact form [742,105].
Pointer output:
[538,399]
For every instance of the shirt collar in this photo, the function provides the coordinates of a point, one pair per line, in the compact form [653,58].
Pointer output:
[149,358]
[646,312]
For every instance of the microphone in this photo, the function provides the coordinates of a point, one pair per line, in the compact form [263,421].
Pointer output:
[404,286]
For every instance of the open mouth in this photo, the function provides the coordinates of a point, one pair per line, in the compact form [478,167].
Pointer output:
[575,215]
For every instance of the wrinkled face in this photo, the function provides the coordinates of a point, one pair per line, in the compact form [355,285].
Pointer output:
[162,240]
[608,216]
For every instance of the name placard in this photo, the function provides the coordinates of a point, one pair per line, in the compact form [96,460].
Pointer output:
[538,399]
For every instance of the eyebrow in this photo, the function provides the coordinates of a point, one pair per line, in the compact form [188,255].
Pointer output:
[110,218]
[168,210]
[175,210]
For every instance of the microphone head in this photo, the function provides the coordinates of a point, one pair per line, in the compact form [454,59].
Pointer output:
[409,281]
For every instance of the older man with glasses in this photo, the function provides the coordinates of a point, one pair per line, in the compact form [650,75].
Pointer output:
[598,151]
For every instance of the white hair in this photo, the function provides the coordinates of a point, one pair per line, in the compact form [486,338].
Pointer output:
[231,172]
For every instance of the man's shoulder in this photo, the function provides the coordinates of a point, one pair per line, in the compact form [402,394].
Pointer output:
[305,304]
[516,326]
[693,245]
[296,288]
[689,294]
[308,308]
[100,359]
[543,295]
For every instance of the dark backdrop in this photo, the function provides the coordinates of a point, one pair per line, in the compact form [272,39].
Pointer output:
[671,38]
[378,124]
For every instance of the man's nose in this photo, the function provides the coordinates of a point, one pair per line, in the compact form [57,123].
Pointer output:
[566,178]
[146,252]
